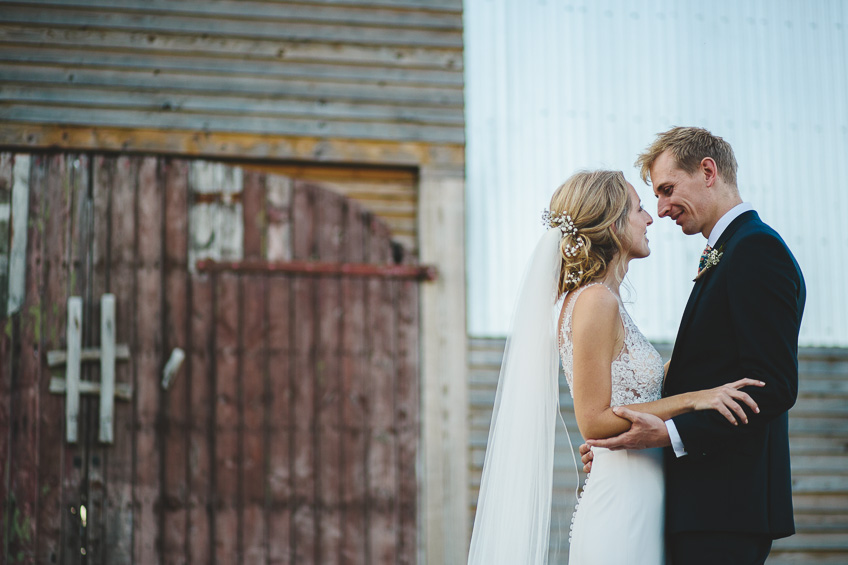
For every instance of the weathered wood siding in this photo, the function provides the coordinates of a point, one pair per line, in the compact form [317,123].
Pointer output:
[322,79]
[291,432]
[818,441]
[390,193]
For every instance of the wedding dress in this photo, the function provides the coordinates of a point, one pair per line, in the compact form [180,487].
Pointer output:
[619,517]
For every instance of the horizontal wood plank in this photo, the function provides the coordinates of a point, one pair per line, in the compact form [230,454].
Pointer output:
[225,65]
[59,357]
[70,115]
[119,98]
[350,13]
[59,386]
[224,145]
[169,44]
[252,86]
[320,268]
[362,33]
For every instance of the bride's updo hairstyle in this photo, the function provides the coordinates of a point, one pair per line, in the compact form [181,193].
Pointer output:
[598,204]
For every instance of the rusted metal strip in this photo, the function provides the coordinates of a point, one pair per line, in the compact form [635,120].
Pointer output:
[317,268]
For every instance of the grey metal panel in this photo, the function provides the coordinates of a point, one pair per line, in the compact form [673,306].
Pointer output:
[554,87]
[484,366]
[378,71]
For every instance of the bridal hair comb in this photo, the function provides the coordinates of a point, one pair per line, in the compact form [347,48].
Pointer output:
[566,225]
[563,221]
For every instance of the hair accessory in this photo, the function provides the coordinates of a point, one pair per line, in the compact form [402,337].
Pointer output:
[566,225]
[563,221]
[573,278]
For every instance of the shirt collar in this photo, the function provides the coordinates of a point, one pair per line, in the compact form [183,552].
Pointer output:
[725,220]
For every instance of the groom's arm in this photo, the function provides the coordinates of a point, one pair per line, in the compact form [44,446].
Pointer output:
[765,318]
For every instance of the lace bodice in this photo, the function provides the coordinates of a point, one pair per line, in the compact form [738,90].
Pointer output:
[637,371]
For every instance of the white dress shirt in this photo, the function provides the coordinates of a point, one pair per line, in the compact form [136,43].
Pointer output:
[718,229]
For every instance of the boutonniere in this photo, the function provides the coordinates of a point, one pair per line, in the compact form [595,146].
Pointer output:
[709,260]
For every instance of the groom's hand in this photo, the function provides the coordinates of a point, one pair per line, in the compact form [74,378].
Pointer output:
[586,456]
[647,431]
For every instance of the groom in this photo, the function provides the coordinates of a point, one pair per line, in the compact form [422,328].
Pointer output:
[728,488]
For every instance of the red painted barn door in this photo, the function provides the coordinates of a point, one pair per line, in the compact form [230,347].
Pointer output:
[288,434]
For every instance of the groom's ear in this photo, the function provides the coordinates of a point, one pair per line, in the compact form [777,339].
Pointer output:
[709,170]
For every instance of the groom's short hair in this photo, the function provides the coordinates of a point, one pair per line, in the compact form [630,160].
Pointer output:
[689,146]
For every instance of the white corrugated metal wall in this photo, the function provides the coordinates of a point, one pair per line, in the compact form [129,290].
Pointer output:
[554,86]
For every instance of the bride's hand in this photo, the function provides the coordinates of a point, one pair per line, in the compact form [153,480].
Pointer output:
[727,400]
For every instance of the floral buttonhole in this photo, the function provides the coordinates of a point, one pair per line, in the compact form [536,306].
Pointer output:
[713,258]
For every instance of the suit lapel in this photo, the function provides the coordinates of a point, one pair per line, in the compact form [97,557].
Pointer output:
[701,281]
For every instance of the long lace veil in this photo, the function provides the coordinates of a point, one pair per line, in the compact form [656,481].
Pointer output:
[512,525]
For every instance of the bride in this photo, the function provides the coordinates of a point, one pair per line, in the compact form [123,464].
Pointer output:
[597,226]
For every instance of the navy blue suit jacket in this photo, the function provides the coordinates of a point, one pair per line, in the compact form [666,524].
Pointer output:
[742,320]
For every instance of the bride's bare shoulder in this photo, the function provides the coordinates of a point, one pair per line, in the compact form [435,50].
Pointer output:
[595,306]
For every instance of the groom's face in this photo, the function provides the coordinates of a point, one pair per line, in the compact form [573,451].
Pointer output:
[681,196]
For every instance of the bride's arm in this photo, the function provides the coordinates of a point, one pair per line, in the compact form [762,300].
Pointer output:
[726,399]
[598,335]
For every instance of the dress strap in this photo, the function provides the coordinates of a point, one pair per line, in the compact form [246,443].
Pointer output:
[576,294]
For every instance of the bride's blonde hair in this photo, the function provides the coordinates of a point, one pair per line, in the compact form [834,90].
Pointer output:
[598,204]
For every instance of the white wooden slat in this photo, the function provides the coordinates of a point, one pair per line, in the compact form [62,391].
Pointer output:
[58,385]
[73,366]
[107,367]
[391,14]
[239,27]
[18,233]
[58,358]
[292,51]
[230,65]
[444,403]
[151,81]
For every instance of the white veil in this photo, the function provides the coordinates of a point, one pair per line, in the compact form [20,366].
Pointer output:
[512,525]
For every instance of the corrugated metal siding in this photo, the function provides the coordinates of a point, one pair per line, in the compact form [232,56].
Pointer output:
[371,70]
[484,363]
[553,87]
[818,438]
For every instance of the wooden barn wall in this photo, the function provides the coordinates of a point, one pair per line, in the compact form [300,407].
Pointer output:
[375,80]
[338,82]
[291,432]
[818,427]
